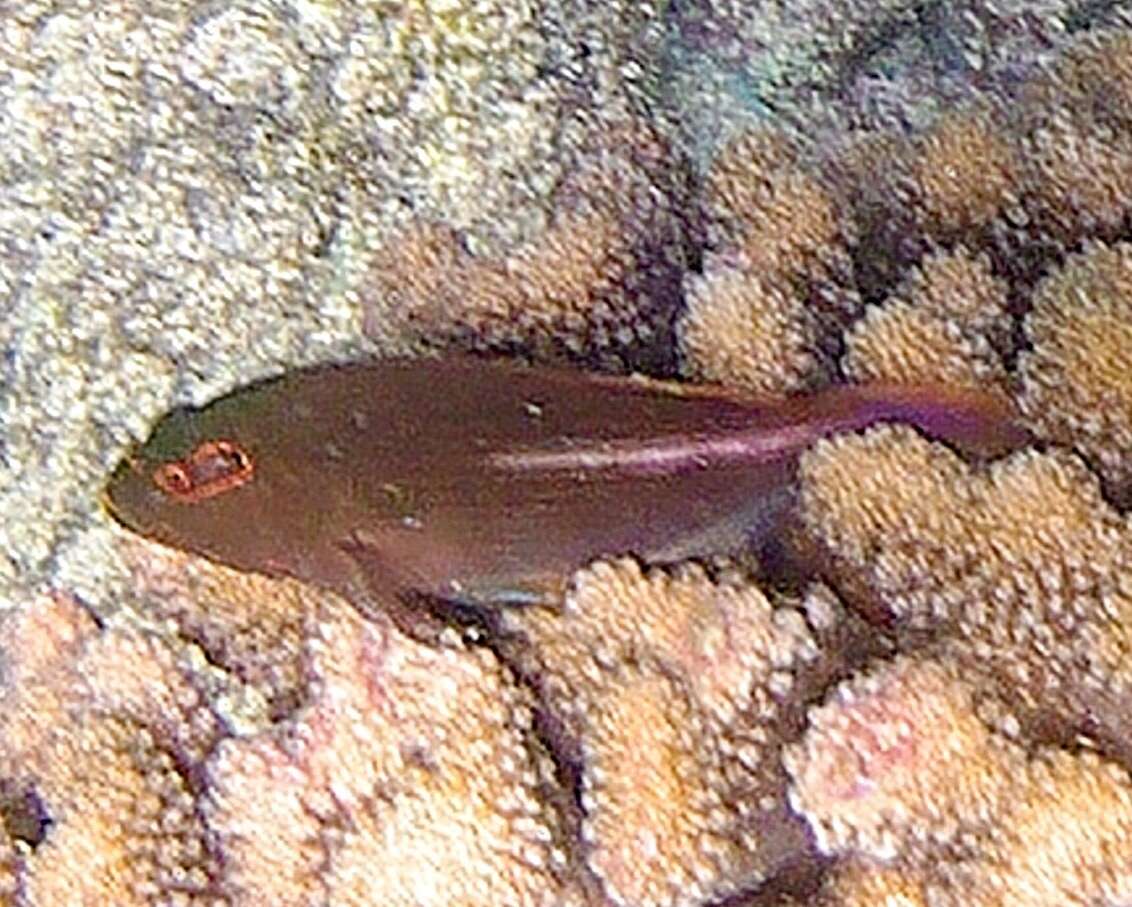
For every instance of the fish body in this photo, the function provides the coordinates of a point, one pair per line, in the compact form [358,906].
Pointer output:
[487,482]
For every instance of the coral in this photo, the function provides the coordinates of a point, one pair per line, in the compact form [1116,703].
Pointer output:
[949,184]
[596,282]
[1064,840]
[940,325]
[690,682]
[647,797]
[410,771]
[861,883]
[962,172]
[748,331]
[761,198]
[248,626]
[1024,566]
[898,770]
[1075,179]
[897,761]
[1077,377]
[196,196]
[1075,129]
[102,735]
[776,285]
[119,783]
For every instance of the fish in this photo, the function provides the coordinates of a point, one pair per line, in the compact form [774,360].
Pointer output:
[485,483]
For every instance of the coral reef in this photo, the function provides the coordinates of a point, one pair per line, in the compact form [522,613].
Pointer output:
[596,283]
[945,323]
[1075,388]
[671,692]
[898,761]
[776,281]
[920,699]
[104,735]
[1023,567]
[402,769]
[899,770]
[390,781]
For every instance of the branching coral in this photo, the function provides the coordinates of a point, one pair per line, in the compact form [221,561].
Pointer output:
[596,282]
[193,196]
[248,626]
[406,770]
[103,735]
[898,767]
[1077,144]
[896,762]
[1024,566]
[777,283]
[866,883]
[748,331]
[940,325]
[1077,378]
[411,771]
[674,692]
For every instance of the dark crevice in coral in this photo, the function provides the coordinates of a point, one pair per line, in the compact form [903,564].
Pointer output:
[23,813]
[796,882]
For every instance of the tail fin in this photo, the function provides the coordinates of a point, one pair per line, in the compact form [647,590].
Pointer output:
[979,423]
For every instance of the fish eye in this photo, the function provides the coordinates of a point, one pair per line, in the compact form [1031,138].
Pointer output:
[212,468]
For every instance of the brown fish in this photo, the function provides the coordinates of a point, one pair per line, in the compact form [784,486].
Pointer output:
[485,482]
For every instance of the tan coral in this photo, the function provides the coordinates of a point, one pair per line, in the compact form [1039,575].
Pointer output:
[776,285]
[1077,379]
[740,179]
[723,636]
[863,883]
[782,216]
[897,761]
[1092,79]
[103,732]
[597,281]
[650,822]
[1024,566]
[126,830]
[964,171]
[1076,178]
[748,330]
[692,680]
[411,773]
[939,325]
[246,624]
[898,774]
[1066,841]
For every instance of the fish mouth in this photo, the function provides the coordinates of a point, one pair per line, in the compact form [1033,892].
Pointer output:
[124,492]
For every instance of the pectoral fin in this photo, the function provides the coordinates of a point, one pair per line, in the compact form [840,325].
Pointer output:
[383,583]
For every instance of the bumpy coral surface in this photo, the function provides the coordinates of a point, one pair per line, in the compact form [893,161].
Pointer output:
[401,769]
[104,736]
[1075,380]
[939,325]
[1023,566]
[668,689]
[919,697]
[899,771]
[596,282]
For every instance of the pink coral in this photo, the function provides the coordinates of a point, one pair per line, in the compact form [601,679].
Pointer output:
[104,734]
[410,771]
[899,772]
